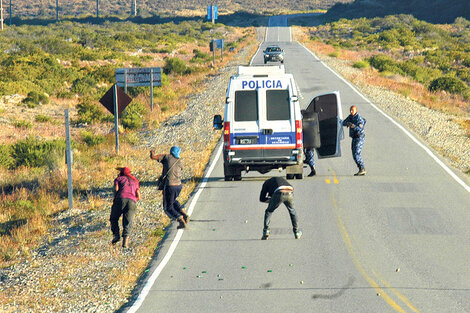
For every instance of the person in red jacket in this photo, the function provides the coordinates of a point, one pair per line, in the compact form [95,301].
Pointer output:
[126,194]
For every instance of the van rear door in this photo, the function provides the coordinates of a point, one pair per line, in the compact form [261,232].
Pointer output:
[328,108]
[245,131]
[277,124]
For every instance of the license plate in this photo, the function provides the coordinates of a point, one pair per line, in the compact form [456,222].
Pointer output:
[245,141]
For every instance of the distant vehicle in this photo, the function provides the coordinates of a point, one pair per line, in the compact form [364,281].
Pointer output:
[263,129]
[273,54]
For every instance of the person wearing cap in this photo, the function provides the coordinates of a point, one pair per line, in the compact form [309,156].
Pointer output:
[275,191]
[126,194]
[172,171]
[356,124]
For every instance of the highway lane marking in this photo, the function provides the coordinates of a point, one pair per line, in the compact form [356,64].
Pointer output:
[352,252]
[148,285]
[335,179]
[398,294]
[426,149]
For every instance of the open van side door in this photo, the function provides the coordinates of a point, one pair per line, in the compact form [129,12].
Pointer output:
[328,108]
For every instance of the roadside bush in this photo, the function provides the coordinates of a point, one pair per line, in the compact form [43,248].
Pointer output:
[200,57]
[89,113]
[383,63]
[35,98]
[91,139]
[34,152]
[449,84]
[361,64]
[6,161]
[175,65]
[83,86]
[133,116]
[41,118]
[23,124]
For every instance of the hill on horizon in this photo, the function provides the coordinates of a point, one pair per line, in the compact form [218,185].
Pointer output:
[47,8]
[433,11]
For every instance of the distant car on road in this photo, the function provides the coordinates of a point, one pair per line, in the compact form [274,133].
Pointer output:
[273,54]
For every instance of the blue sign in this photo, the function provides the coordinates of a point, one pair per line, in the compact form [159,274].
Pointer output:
[212,9]
[220,43]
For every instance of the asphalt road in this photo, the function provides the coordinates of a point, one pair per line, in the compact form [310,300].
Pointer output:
[395,240]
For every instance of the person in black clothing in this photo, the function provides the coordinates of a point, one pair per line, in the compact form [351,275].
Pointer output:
[277,190]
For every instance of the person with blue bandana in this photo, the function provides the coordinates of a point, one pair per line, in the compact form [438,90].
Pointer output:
[356,124]
[172,172]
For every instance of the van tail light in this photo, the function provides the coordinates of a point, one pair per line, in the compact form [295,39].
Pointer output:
[227,135]
[298,134]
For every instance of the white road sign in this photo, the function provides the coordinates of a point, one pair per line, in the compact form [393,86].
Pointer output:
[138,76]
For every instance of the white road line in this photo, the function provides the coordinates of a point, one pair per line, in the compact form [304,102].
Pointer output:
[428,151]
[148,285]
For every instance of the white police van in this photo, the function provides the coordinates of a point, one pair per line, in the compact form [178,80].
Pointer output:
[262,128]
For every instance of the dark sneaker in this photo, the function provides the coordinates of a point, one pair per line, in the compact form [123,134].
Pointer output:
[313,172]
[185,216]
[265,235]
[361,172]
[298,234]
[125,242]
[182,222]
[115,240]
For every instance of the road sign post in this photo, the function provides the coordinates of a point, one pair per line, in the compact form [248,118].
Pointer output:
[115,100]
[116,114]
[212,12]
[151,89]
[68,158]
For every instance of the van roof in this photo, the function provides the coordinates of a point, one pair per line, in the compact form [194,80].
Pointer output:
[269,70]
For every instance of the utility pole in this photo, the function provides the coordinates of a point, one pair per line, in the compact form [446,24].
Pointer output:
[97,9]
[10,12]
[134,8]
[57,10]
[1,14]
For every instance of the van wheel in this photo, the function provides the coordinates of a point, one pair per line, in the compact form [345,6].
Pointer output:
[289,176]
[237,177]
[299,176]
[228,178]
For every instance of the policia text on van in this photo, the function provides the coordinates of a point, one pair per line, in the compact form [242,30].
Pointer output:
[263,123]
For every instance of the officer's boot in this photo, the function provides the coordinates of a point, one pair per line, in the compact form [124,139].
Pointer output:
[265,234]
[362,172]
[125,242]
[185,215]
[312,171]
[182,222]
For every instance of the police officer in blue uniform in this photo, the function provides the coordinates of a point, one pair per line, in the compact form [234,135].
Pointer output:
[356,123]
[310,160]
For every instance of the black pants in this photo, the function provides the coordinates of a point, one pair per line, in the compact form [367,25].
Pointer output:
[281,197]
[126,208]
[171,206]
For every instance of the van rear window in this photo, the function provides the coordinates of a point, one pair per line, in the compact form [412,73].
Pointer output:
[277,105]
[246,105]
